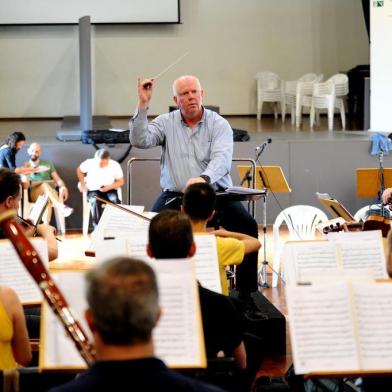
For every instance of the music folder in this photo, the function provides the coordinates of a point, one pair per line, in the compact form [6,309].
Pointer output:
[38,210]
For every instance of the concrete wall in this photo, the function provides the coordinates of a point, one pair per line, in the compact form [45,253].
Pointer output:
[313,165]
[229,42]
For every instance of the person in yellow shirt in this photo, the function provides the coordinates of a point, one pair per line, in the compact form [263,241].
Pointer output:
[14,342]
[199,203]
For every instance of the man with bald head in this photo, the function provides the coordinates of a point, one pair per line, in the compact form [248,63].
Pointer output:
[197,146]
[45,182]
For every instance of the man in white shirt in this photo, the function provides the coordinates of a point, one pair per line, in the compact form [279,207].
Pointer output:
[100,176]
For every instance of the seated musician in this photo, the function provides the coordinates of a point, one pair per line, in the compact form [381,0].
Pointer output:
[170,236]
[14,342]
[10,197]
[43,183]
[198,203]
[100,176]
[122,296]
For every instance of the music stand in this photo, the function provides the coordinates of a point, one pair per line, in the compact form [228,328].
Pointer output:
[369,182]
[335,208]
[270,178]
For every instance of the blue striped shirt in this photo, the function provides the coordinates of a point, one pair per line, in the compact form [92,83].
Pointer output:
[186,152]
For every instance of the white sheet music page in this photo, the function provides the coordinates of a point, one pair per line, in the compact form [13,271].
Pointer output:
[206,262]
[373,309]
[109,247]
[178,336]
[306,257]
[15,275]
[58,350]
[362,250]
[114,221]
[121,244]
[321,328]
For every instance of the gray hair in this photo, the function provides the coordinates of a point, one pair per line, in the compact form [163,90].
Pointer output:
[102,154]
[122,294]
[174,87]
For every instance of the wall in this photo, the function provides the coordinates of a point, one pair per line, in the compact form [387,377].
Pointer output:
[230,41]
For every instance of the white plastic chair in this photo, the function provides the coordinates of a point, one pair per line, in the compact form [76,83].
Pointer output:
[87,210]
[270,88]
[295,89]
[329,95]
[60,219]
[303,99]
[301,221]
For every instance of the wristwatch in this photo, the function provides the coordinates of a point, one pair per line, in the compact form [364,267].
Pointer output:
[206,178]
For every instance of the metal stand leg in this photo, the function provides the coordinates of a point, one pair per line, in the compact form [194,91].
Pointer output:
[263,282]
[263,273]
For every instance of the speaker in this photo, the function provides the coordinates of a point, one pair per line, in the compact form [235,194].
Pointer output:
[263,319]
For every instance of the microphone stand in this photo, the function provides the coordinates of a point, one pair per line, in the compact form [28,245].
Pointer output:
[382,181]
[263,272]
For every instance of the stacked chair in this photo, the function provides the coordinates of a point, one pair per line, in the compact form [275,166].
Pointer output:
[307,92]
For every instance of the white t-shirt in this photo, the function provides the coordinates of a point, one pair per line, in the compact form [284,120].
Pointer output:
[97,176]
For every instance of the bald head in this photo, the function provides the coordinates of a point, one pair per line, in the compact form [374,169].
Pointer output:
[34,151]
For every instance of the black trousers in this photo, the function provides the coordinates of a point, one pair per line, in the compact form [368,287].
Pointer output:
[233,216]
[96,206]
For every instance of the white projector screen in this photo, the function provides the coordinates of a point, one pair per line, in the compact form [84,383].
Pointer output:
[22,12]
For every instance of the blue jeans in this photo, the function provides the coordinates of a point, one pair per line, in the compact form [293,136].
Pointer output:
[96,206]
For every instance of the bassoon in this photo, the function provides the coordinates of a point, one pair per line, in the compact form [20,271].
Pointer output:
[52,294]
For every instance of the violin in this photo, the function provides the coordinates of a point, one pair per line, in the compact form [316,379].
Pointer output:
[52,294]
[372,222]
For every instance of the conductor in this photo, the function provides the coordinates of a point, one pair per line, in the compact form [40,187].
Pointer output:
[197,146]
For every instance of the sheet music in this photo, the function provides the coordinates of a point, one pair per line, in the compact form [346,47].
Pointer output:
[58,350]
[178,337]
[362,250]
[304,257]
[38,209]
[121,244]
[206,262]
[114,221]
[321,328]
[373,308]
[15,275]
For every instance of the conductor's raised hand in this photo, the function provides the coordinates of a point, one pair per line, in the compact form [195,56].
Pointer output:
[144,90]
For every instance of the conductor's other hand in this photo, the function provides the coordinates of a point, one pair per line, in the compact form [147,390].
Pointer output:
[144,90]
[386,196]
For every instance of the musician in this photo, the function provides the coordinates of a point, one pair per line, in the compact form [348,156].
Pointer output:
[14,341]
[198,203]
[197,147]
[122,296]
[12,144]
[10,197]
[43,183]
[100,176]
[170,236]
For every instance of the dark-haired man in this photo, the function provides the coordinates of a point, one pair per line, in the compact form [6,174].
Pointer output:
[122,296]
[199,204]
[170,236]
[10,198]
